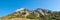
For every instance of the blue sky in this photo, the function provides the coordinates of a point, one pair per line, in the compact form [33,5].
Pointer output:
[9,6]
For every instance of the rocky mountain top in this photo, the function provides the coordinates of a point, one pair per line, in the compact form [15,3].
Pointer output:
[38,13]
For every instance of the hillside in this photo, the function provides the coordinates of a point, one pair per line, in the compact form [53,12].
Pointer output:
[37,14]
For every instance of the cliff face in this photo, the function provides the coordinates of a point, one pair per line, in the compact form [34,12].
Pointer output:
[39,14]
[25,12]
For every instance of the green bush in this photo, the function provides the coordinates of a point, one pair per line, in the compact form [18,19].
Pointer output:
[23,13]
[30,17]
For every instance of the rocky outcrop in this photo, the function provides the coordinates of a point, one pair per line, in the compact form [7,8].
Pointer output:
[26,12]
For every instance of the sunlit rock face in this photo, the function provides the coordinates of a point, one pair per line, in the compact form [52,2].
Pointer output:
[26,12]
[42,11]
[38,13]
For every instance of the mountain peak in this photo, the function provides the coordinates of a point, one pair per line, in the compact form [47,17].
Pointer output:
[21,9]
[39,13]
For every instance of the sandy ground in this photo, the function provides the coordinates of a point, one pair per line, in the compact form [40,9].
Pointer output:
[15,19]
[0,19]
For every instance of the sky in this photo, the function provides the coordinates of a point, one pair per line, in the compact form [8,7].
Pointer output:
[9,6]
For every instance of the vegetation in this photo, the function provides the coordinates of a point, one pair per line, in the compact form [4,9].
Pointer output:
[52,16]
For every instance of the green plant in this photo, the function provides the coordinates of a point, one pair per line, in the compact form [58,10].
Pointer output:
[31,17]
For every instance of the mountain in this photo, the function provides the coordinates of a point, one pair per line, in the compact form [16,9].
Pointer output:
[39,13]
[25,12]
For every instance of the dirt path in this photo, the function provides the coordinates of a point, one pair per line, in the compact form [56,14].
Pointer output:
[0,19]
[19,19]
[16,19]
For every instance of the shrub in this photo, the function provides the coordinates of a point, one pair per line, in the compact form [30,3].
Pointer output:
[31,17]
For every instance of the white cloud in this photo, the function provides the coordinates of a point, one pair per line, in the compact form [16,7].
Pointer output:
[20,9]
